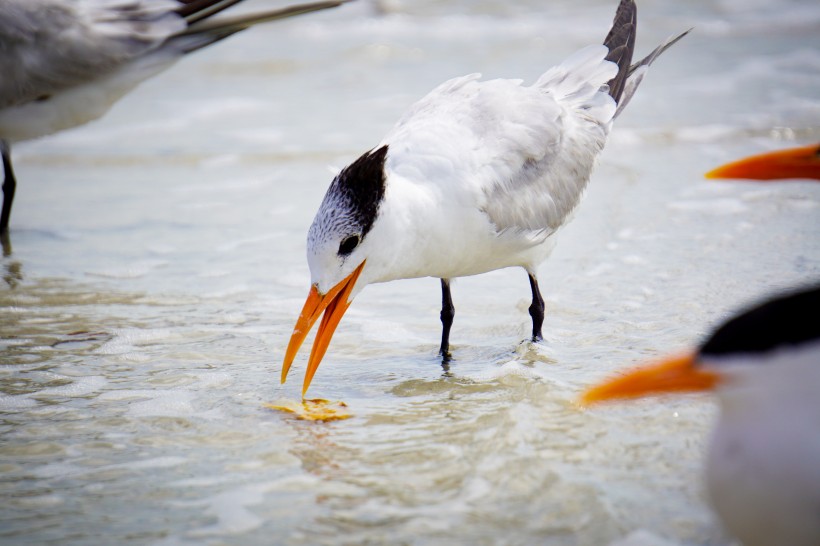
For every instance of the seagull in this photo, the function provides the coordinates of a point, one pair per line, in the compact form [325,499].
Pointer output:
[763,464]
[476,176]
[802,162]
[66,62]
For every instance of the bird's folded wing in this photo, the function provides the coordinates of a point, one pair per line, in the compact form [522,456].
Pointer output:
[52,45]
[514,152]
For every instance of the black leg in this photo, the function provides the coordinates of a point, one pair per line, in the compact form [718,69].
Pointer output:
[536,309]
[447,314]
[9,186]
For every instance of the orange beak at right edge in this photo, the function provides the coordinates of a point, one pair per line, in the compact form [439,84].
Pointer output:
[678,374]
[334,304]
[801,162]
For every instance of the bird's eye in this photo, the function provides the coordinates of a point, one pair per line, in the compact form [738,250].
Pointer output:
[348,245]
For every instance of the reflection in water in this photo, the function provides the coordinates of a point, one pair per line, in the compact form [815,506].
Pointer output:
[12,269]
[463,448]
[42,316]
[317,449]
[12,273]
[445,367]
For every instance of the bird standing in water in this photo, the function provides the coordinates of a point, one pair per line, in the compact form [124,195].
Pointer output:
[763,466]
[64,63]
[476,176]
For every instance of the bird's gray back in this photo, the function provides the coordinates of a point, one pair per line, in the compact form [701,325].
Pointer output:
[528,150]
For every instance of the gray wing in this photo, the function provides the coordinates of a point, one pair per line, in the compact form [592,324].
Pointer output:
[47,46]
[523,154]
[569,114]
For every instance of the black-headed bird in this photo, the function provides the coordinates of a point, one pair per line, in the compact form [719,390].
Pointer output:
[476,176]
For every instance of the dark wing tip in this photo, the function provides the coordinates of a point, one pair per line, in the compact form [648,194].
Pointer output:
[198,15]
[196,10]
[621,44]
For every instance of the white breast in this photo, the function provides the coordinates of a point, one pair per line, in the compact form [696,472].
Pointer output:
[763,469]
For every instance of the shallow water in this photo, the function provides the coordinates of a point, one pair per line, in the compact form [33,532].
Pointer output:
[156,267]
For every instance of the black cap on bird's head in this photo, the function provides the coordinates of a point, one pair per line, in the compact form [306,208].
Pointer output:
[787,320]
[352,201]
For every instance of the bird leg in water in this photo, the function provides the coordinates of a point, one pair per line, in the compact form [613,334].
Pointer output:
[448,311]
[9,185]
[536,309]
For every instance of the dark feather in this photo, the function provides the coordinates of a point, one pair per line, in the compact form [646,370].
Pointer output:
[360,187]
[657,52]
[196,10]
[621,44]
[198,16]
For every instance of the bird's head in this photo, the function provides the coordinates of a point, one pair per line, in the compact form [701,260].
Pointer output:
[774,334]
[338,248]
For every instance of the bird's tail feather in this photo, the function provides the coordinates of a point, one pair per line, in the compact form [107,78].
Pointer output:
[620,41]
[198,12]
[637,71]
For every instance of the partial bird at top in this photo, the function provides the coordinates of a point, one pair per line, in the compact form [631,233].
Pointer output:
[476,176]
[802,162]
[64,63]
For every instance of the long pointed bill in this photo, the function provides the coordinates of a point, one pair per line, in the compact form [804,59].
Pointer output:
[678,374]
[792,163]
[334,304]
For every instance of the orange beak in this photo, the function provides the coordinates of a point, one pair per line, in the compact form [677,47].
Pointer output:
[792,163]
[334,304]
[677,374]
